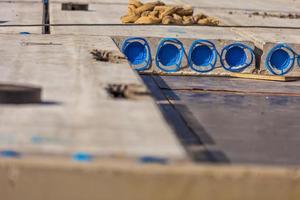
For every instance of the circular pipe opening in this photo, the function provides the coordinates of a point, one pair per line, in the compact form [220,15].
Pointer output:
[235,56]
[169,54]
[136,53]
[202,55]
[280,59]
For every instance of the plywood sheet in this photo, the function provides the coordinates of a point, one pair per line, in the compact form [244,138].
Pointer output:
[246,124]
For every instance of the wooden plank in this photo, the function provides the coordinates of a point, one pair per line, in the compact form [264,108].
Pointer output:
[264,77]
[234,75]
[230,85]
[256,126]
[20,13]
[77,113]
[196,146]
[118,180]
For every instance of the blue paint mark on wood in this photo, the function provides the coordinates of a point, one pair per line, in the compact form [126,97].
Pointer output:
[9,154]
[152,160]
[82,157]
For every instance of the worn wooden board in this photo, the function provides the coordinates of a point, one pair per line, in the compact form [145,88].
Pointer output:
[246,125]
[194,140]
[264,77]
[20,13]
[77,114]
[229,85]
[232,75]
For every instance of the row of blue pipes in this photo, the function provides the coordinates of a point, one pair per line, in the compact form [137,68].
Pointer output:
[203,55]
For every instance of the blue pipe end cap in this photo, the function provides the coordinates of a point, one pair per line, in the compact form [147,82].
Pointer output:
[169,55]
[152,160]
[236,56]
[202,55]
[280,59]
[9,154]
[136,53]
[82,157]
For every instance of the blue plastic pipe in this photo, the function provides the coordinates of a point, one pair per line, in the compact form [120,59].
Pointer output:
[202,56]
[234,57]
[280,59]
[169,55]
[137,52]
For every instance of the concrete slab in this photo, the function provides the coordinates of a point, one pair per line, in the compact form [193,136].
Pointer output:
[187,42]
[107,2]
[186,34]
[267,5]
[97,14]
[20,13]
[154,33]
[234,17]
[21,1]
[77,113]
[100,12]
[266,39]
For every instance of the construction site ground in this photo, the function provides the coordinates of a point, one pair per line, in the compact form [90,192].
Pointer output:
[157,136]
